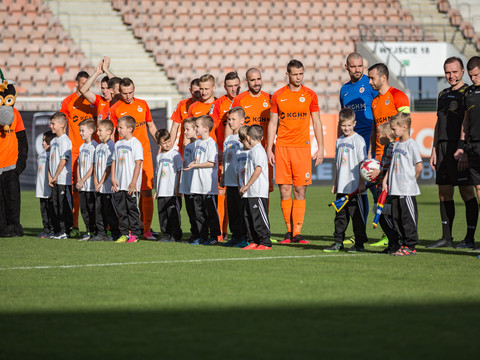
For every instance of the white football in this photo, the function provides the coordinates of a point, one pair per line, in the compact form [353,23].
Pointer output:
[367,166]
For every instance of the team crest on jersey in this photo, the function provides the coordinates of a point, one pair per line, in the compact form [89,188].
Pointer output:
[265,104]
[302,99]
[307,175]
[361,90]
[453,106]
[139,109]
[387,102]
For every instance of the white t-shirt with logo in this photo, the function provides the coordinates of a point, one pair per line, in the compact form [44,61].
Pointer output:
[205,180]
[125,154]
[168,165]
[61,149]
[241,160]
[103,159]
[86,159]
[401,176]
[43,189]
[230,147]
[257,157]
[350,152]
[186,179]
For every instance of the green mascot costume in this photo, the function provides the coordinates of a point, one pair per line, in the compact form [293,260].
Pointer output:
[13,160]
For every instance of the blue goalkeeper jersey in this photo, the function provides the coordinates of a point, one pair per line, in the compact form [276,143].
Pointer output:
[358,96]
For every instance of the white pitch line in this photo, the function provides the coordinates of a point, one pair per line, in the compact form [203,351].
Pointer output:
[41,267]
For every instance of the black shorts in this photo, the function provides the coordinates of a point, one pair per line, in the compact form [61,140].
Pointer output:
[447,167]
[473,152]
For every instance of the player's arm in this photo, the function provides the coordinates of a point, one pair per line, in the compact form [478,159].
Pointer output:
[271,133]
[174,132]
[433,155]
[106,67]
[85,89]
[132,187]
[253,178]
[318,132]
[373,142]
[460,155]
[418,169]
[114,180]
[152,129]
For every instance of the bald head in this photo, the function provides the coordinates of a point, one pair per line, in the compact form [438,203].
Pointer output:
[254,81]
[354,66]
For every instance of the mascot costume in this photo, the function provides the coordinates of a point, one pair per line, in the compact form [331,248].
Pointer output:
[13,160]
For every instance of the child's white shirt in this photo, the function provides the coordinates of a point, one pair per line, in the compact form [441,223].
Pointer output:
[61,149]
[43,189]
[205,180]
[125,154]
[86,159]
[103,159]
[350,152]
[168,165]
[230,147]
[401,175]
[257,157]
[186,179]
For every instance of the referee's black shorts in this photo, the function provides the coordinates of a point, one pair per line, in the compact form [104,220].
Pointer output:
[473,152]
[447,167]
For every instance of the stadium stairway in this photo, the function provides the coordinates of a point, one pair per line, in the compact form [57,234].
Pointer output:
[100,31]
[438,24]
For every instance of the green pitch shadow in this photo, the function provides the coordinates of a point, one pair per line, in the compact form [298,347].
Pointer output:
[292,332]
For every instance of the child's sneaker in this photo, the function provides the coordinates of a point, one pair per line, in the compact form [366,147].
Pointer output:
[147,235]
[43,235]
[85,237]
[287,239]
[210,241]
[382,242]
[263,247]
[336,247]
[357,248]
[122,239]
[232,242]
[349,241]
[60,236]
[132,239]
[242,244]
[300,240]
[404,251]
[75,232]
[251,246]
[197,241]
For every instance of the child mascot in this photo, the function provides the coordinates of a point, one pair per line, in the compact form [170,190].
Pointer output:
[13,160]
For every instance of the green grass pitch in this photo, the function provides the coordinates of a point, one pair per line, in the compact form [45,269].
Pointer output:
[65,299]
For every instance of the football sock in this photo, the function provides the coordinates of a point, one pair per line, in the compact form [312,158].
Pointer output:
[147,207]
[298,213]
[76,208]
[471,209]
[286,206]
[447,214]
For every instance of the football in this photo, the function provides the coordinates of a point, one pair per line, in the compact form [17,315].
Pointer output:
[367,166]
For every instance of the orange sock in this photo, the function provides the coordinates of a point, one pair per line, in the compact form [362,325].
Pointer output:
[221,209]
[286,206]
[147,206]
[76,208]
[225,217]
[298,213]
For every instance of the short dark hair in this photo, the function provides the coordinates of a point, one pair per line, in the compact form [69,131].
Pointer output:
[82,74]
[473,63]
[114,81]
[207,121]
[105,80]
[232,75]
[48,136]
[346,114]
[89,123]
[255,132]
[381,68]
[162,134]
[195,82]
[107,124]
[453,59]
[237,109]
[294,64]
[129,121]
[190,120]
[126,82]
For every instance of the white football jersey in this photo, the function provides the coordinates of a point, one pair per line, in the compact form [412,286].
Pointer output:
[86,159]
[350,152]
[205,180]
[257,157]
[61,149]
[401,176]
[168,165]
[230,147]
[43,189]
[125,154]
[103,159]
